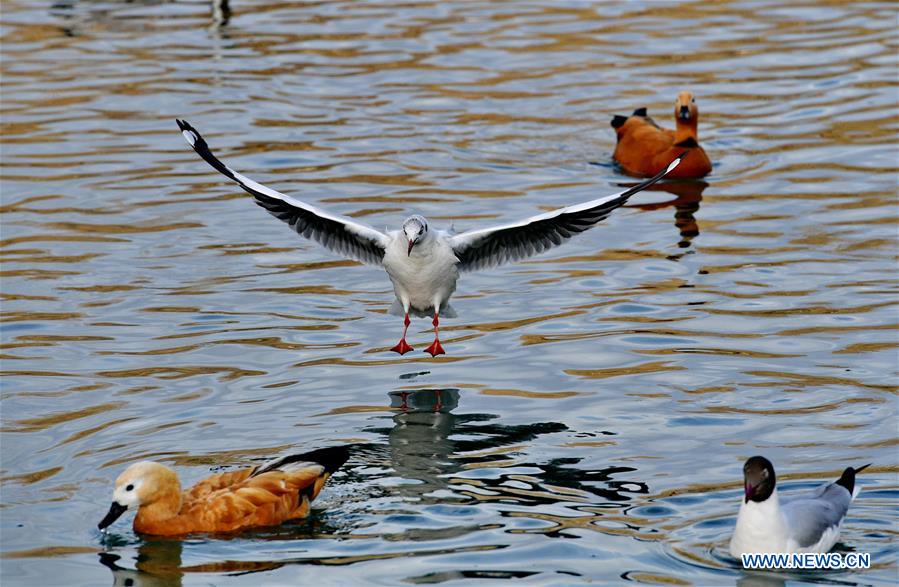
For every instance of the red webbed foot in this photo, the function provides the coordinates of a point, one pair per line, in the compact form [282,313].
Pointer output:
[402,347]
[435,349]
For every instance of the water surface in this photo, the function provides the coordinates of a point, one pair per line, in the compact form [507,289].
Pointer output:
[596,403]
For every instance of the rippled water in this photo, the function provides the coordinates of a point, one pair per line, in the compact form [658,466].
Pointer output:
[595,404]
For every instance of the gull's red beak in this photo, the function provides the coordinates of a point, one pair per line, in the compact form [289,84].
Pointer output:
[747,489]
[411,244]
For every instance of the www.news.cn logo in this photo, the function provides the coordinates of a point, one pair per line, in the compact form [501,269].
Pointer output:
[807,560]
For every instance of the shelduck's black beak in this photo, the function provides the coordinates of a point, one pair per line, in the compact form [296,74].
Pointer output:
[684,113]
[115,511]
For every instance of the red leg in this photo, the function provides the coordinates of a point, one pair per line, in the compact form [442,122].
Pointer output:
[403,347]
[439,405]
[436,348]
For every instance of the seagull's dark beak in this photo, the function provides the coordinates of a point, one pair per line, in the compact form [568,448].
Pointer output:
[748,489]
[115,511]
[411,244]
[684,113]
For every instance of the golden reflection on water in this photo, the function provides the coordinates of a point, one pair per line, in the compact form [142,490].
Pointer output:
[152,311]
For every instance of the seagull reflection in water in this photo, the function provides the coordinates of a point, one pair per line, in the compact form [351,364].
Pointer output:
[435,447]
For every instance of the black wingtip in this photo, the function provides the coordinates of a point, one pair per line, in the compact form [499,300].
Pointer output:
[185,127]
[654,179]
[640,112]
[847,479]
[199,145]
[331,458]
[618,121]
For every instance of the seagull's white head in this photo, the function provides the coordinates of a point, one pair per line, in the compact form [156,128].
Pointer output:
[416,230]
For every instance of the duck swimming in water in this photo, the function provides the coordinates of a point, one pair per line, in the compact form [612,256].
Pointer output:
[267,495]
[644,148]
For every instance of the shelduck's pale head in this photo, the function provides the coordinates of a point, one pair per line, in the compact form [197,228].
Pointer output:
[685,109]
[141,484]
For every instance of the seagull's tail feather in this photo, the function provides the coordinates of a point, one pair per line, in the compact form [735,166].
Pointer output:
[425,313]
[446,311]
[847,479]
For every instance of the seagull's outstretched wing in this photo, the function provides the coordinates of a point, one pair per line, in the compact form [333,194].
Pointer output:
[488,247]
[341,235]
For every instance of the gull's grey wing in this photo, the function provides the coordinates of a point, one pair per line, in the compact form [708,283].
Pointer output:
[480,249]
[340,234]
[809,516]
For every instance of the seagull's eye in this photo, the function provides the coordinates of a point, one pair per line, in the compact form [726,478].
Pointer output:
[129,487]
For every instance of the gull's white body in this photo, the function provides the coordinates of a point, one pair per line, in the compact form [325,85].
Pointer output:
[761,527]
[775,526]
[425,279]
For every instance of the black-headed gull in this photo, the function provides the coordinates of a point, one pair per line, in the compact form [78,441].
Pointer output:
[424,264]
[808,522]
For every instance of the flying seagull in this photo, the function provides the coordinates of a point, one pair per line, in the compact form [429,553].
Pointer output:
[808,522]
[424,264]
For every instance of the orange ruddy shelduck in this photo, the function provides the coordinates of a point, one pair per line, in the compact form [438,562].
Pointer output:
[644,148]
[267,495]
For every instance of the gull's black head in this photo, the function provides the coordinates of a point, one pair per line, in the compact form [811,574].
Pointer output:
[758,479]
[415,228]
